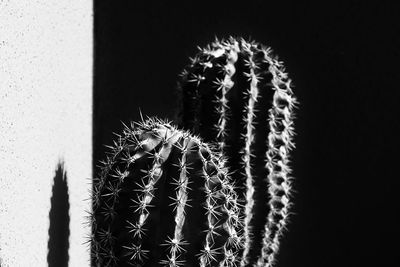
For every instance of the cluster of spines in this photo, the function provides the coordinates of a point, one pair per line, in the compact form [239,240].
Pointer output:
[152,141]
[209,78]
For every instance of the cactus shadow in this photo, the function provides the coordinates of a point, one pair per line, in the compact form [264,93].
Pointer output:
[59,231]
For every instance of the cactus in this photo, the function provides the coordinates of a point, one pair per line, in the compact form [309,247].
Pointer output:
[236,93]
[163,198]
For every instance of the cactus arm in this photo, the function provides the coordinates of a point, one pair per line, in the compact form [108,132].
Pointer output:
[244,115]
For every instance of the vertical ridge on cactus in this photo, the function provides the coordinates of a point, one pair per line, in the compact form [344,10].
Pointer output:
[279,144]
[163,198]
[243,101]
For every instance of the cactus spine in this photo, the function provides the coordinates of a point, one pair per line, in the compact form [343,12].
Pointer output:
[163,198]
[237,94]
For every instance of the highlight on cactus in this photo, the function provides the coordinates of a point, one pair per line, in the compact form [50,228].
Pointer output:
[237,94]
[163,198]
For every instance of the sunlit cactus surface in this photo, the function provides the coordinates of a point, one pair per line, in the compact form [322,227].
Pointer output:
[163,198]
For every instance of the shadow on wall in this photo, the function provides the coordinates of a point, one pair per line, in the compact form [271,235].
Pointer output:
[59,220]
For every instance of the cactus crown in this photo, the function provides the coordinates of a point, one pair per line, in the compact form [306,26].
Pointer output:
[163,198]
[237,94]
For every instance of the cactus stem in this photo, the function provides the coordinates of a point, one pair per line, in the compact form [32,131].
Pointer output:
[173,161]
[232,81]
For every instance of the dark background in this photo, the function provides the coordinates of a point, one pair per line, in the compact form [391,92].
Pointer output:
[343,60]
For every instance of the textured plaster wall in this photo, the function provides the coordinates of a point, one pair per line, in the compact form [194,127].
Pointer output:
[45,116]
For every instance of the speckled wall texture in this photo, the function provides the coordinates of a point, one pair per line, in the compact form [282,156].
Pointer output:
[45,116]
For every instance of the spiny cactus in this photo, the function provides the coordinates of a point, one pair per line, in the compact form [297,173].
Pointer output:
[163,198]
[237,94]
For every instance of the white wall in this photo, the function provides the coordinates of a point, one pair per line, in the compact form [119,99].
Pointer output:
[45,115]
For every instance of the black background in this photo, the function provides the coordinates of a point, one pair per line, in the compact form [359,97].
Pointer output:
[343,60]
